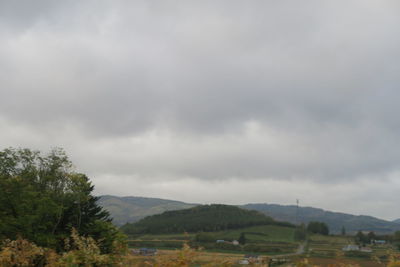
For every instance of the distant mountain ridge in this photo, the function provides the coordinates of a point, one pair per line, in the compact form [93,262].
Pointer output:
[335,220]
[396,221]
[132,209]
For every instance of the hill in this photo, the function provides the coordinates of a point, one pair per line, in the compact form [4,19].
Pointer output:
[335,220]
[132,209]
[204,218]
[397,221]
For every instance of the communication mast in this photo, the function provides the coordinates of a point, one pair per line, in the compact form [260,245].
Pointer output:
[297,211]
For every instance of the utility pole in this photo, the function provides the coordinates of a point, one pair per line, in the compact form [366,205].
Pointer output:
[297,211]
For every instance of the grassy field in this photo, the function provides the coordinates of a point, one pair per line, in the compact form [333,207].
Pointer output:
[327,249]
[327,246]
[267,239]
[183,236]
[264,233]
[273,241]
[204,257]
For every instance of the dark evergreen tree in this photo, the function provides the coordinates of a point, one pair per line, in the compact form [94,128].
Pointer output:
[343,231]
[300,233]
[361,238]
[318,228]
[242,239]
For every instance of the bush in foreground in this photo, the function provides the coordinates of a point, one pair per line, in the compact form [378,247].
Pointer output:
[85,252]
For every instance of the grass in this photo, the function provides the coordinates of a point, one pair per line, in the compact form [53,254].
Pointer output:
[183,236]
[329,248]
[266,239]
[263,233]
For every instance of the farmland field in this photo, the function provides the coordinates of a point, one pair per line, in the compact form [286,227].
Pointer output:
[262,233]
[269,239]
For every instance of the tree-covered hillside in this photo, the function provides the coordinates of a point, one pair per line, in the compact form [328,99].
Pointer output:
[206,218]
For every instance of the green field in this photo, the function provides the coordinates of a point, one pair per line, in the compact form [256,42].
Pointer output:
[269,239]
[256,234]
[331,247]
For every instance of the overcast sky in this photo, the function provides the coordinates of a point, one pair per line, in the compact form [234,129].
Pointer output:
[211,101]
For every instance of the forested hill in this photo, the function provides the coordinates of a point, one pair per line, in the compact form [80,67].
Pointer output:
[205,218]
[335,220]
[397,221]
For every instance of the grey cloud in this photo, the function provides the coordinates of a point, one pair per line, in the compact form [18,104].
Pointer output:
[276,90]
[166,63]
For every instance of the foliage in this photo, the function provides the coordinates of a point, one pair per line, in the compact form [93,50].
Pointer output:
[205,237]
[318,228]
[21,252]
[186,257]
[85,252]
[206,218]
[396,236]
[242,239]
[81,251]
[363,239]
[300,234]
[394,262]
[42,199]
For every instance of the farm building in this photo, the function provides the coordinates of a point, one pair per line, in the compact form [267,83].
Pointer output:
[351,248]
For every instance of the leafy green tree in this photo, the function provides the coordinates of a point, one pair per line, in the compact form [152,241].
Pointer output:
[318,228]
[42,199]
[396,236]
[205,237]
[371,236]
[300,233]
[361,238]
[242,239]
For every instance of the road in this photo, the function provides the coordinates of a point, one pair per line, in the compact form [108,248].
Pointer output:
[300,250]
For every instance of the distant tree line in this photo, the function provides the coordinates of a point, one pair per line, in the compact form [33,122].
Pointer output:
[318,228]
[363,239]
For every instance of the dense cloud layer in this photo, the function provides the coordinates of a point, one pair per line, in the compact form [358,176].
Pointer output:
[208,101]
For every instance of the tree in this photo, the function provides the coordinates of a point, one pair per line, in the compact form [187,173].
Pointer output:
[42,200]
[361,238]
[371,236]
[318,228]
[396,236]
[343,231]
[242,239]
[300,233]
